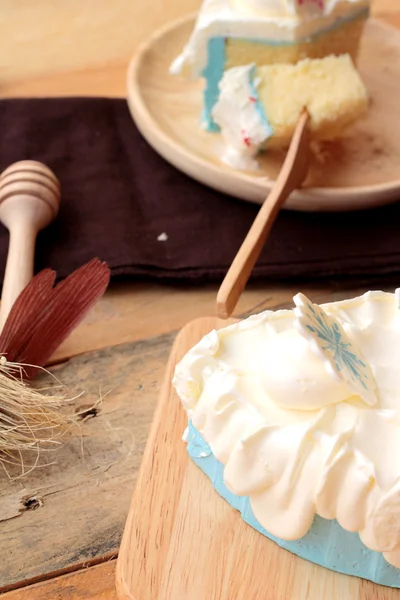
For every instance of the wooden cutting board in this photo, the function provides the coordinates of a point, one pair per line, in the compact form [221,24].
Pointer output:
[183,542]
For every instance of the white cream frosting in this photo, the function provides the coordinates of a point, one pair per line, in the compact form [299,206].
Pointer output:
[292,8]
[282,8]
[273,20]
[294,439]
[243,128]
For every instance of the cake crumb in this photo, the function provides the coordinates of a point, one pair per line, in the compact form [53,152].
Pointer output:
[163,237]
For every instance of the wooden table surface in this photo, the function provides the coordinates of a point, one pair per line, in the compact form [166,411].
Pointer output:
[60,526]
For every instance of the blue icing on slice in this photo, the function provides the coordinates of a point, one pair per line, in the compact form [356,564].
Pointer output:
[213,74]
[327,544]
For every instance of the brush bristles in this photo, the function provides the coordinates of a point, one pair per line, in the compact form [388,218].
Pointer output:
[31,422]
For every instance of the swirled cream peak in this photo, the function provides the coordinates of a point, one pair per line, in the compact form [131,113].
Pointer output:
[293,438]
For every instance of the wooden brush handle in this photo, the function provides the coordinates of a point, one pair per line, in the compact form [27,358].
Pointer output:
[29,201]
[19,267]
[291,176]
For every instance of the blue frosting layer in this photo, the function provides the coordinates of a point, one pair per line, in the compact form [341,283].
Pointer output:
[326,544]
[213,74]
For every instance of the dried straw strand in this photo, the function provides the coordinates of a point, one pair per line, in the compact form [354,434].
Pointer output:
[31,422]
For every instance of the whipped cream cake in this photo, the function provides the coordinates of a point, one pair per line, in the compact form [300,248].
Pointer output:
[294,415]
[231,33]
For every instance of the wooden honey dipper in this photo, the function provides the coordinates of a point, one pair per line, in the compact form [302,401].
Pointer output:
[36,316]
[29,201]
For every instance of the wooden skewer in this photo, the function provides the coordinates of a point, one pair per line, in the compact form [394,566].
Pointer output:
[29,201]
[291,176]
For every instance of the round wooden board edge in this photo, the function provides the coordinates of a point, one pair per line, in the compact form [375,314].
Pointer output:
[203,325]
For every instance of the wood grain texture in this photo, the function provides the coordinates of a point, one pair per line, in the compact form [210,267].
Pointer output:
[144,549]
[94,583]
[182,540]
[74,510]
[357,171]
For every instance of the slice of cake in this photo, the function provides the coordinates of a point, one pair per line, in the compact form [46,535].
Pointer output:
[231,33]
[259,107]
[295,417]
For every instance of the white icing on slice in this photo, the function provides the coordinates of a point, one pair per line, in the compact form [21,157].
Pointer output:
[239,115]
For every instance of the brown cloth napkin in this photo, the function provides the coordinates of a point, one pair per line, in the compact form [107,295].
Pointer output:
[119,196]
